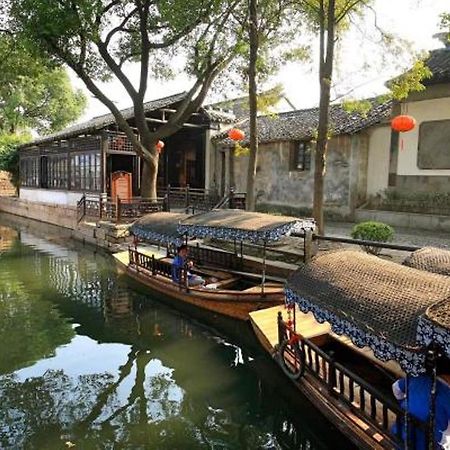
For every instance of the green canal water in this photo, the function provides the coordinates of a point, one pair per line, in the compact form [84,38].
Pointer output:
[90,361]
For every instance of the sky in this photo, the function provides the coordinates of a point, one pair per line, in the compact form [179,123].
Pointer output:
[413,20]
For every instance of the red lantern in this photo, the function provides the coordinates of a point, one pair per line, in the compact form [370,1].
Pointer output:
[236,135]
[159,146]
[403,123]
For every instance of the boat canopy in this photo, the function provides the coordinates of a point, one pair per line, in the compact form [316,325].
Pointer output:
[159,227]
[434,326]
[431,259]
[242,225]
[376,303]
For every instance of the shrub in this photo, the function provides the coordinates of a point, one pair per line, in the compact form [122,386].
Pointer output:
[9,154]
[372,231]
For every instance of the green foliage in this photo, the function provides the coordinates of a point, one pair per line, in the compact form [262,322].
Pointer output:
[445,24]
[361,107]
[239,150]
[372,231]
[410,81]
[34,93]
[9,154]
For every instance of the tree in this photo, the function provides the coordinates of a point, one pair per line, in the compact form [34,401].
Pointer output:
[327,17]
[330,19]
[97,38]
[34,93]
[267,31]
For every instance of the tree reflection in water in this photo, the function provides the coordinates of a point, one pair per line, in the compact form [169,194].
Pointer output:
[114,369]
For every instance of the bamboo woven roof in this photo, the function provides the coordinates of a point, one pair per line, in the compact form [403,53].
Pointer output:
[242,225]
[159,227]
[377,303]
[431,259]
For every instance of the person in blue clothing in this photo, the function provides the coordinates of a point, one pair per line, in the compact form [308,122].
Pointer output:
[417,402]
[442,434]
[414,396]
[179,263]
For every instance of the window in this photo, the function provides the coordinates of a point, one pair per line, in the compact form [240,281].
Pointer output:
[86,172]
[434,145]
[29,171]
[301,156]
[57,172]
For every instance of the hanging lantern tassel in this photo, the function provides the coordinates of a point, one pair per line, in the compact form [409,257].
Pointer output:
[159,146]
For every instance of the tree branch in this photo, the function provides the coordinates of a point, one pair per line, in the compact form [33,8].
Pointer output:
[119,27]
[116,70]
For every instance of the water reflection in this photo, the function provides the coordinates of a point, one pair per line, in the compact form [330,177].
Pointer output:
[88,361]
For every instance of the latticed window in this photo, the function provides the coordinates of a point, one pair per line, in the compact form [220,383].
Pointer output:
[57,171]
[85,172]
[301,156]
[29,171]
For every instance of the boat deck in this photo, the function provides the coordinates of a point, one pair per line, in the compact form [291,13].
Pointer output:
[265,321]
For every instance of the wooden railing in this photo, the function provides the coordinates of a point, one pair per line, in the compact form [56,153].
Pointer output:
[233,200]
[103,208]
[149,264]
[194,199]
[215,258]
[188,198]
[363,399]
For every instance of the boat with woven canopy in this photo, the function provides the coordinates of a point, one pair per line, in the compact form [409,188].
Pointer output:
[355,323]
[430,259]
[228,289]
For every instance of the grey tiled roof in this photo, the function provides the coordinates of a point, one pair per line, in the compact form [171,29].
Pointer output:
[97,123]
[302,124]
[439,64]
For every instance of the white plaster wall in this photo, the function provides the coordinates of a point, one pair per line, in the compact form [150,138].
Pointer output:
[49,196]
[378,163]
[422,111]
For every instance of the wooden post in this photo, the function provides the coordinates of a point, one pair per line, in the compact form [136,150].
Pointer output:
[231,197]
[153,264]
[100,206]
[280,328]
[186,278]
[187,198]
[168,197]
[432,357]
[84,205]
[308,246]
[264,270]
[118,209]
[331,373]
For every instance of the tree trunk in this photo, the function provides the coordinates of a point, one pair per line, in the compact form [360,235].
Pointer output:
[252,97]
[149,178]
[325,74]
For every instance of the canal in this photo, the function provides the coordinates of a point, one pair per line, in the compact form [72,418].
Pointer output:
[90,361]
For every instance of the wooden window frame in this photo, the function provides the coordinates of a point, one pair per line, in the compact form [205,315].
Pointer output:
[300,160]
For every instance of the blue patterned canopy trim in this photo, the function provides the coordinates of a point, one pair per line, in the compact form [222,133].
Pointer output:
[159,227]
[153,236]
[254,236]
[429,332]
[412,362]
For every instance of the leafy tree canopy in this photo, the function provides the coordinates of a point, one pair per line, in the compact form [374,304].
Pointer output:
[34,93]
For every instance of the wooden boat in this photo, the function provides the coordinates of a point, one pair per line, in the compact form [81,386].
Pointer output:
[234,293]
[353,325]
[431,259]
